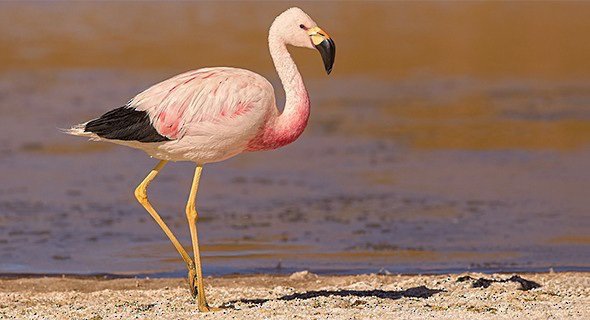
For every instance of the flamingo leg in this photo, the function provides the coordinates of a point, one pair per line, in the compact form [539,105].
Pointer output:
[141,195]
[192,216]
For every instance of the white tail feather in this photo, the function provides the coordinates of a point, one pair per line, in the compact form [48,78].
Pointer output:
[78,130]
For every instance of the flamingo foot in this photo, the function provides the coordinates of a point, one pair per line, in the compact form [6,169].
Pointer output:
[192,282]
[193,286]
[207,308]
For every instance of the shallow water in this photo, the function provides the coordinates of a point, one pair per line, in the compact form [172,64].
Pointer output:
[449,137]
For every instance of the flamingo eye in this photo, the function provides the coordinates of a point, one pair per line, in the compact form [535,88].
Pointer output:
[302,27]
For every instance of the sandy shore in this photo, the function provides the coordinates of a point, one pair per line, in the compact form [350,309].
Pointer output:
[303,296]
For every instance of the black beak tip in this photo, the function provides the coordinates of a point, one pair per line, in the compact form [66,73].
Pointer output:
[327,49]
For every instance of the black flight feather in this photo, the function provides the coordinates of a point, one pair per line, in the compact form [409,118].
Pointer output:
[125,123]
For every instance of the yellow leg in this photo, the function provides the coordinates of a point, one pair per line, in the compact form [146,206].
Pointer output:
[192,216]
[141,195]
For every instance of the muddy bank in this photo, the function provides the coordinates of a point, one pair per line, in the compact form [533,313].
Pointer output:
[303,296]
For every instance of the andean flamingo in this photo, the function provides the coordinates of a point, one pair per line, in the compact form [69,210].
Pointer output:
[212,114]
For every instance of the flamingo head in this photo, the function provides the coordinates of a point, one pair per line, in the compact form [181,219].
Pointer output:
[294,27]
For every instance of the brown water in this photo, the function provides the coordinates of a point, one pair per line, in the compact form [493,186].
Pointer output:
[451,136]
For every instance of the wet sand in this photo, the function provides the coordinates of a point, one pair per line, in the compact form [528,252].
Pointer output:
[301,296]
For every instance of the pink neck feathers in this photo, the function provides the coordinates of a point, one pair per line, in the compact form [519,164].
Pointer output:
[288,126]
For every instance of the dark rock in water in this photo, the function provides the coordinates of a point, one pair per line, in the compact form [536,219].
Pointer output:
[482,283]
[464,278]
[525,285]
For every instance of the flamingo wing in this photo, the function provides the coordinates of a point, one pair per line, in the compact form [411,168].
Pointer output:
[210,95]
[174,107]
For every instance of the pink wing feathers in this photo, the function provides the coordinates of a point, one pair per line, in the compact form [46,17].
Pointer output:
[210,95]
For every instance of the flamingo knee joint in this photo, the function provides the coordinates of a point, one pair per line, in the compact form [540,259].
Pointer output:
[192,213]
[141,194]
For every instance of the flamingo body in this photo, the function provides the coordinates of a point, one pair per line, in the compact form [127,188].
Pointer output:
[206,115]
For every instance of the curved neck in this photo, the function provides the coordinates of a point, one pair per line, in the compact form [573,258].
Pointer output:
[296,95]
[289,125]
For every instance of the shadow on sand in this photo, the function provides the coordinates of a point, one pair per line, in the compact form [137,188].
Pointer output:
[416,292]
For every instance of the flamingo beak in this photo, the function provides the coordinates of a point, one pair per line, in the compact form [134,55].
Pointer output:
[325,45]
